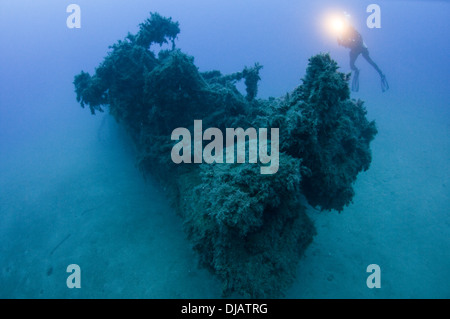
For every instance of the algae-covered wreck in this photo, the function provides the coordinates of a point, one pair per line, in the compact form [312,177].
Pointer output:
[248,228]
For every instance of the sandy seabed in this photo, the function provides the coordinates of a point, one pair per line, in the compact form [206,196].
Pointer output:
[79,199]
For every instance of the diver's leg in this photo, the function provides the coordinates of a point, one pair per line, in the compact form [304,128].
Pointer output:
[365,54]
[353,56]
[355,81]
[384,83]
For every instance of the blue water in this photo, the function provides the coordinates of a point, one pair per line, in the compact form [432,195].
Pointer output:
[71,194]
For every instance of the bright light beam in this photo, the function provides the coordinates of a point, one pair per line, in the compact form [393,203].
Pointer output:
[337,25]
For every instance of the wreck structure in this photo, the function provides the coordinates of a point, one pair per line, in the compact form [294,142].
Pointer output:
[248,228]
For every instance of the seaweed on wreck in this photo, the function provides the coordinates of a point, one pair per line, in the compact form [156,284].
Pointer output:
[249,229]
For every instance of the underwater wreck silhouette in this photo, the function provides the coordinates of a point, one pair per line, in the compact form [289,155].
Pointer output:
[249,229]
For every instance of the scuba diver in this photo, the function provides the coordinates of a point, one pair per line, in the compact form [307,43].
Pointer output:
[352,39]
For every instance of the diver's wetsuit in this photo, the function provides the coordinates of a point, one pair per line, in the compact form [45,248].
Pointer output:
[353,40]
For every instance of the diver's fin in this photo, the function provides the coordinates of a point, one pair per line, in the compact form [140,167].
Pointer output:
[384,84]
[355,81]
